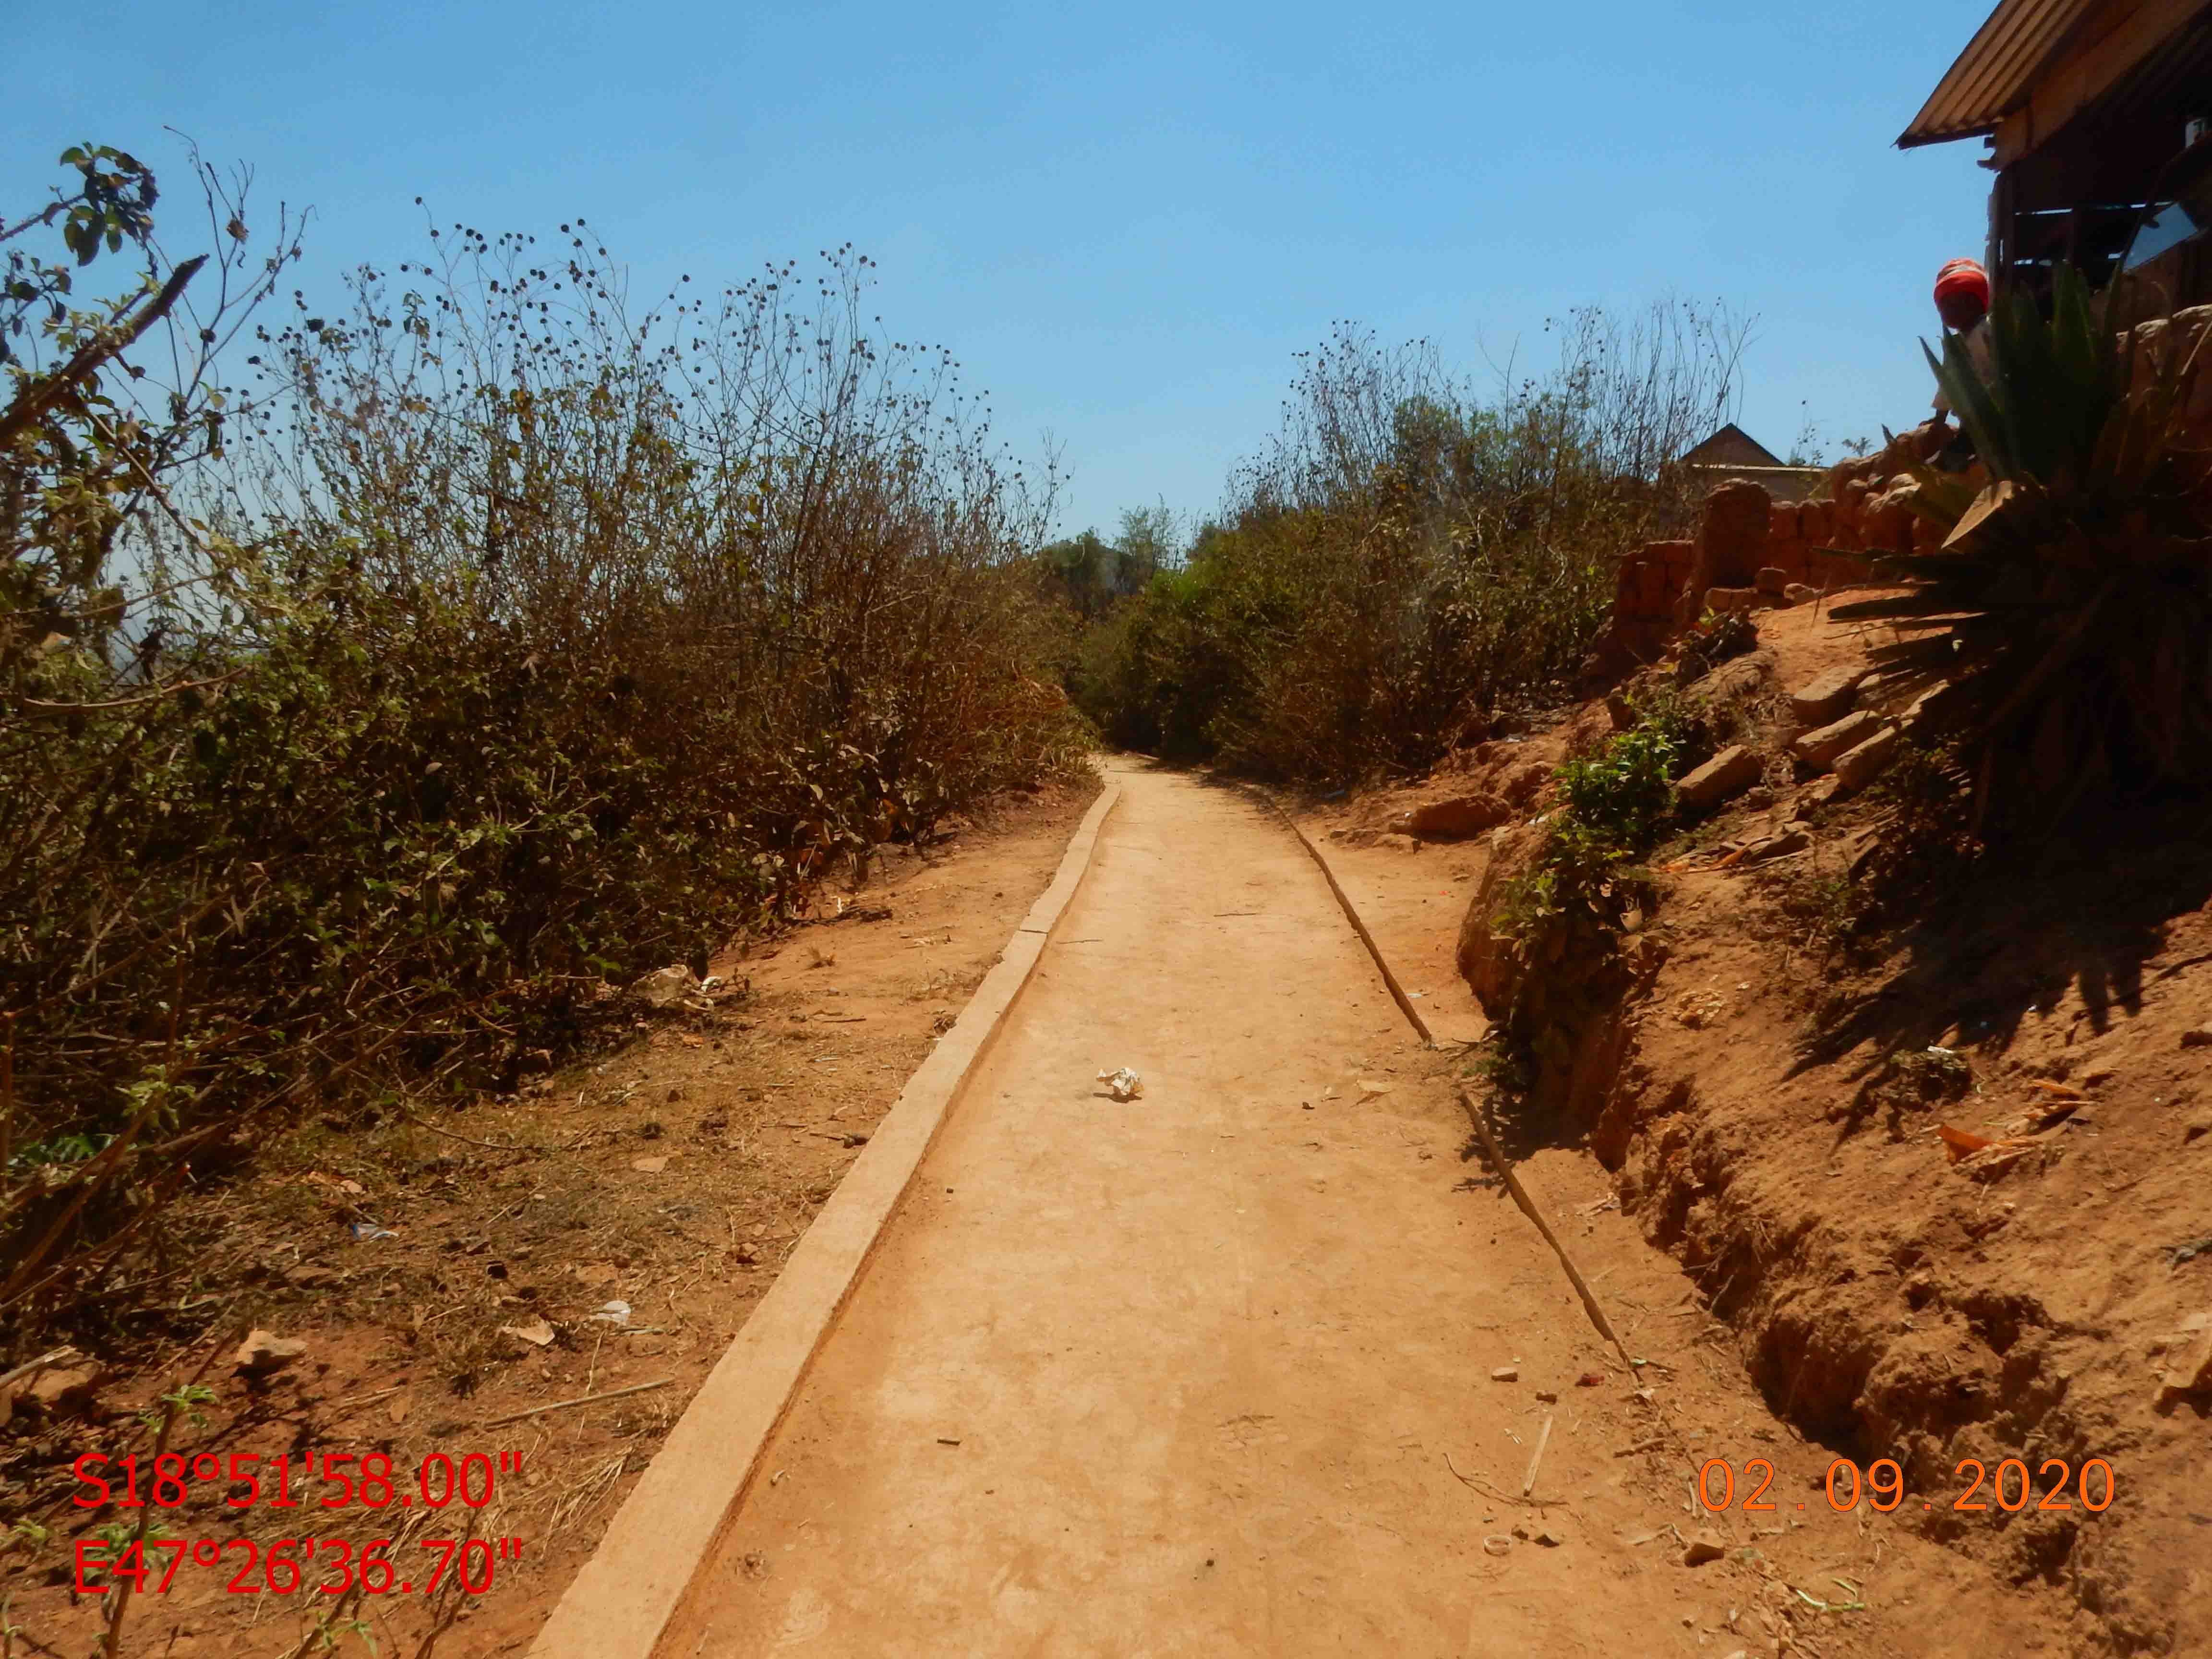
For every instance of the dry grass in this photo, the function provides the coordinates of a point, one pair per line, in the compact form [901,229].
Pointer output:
[540,640]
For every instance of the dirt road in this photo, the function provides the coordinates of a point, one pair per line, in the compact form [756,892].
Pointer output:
[1182,1374]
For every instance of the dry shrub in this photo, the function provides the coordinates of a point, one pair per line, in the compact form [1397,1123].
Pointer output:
[494,641]
[1407,555]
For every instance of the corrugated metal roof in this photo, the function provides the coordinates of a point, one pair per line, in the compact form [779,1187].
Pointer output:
[1991,77]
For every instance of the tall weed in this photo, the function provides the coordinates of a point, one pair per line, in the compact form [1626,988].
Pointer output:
[496,639]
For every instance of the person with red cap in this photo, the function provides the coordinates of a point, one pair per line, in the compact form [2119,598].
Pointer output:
[1962,301]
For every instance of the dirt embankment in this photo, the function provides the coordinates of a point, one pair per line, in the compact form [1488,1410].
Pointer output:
[609,1226]
[1767,1090]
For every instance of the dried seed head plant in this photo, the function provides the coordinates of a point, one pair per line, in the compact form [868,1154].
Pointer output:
[492,637]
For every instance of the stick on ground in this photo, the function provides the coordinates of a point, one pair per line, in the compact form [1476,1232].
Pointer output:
[469,1140]
[1528,1208]
[1528,1481]
[581,1400]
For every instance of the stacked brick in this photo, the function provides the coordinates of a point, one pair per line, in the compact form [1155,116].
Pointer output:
[1744,539]
[1752,551]
[1651,579]
[1749,545]
[1814,542]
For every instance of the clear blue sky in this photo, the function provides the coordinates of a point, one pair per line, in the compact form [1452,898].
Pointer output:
[1124,223]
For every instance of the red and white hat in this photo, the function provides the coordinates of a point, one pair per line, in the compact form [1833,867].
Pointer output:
[1963,278]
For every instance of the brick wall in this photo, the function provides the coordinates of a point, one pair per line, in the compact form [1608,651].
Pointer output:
[1742,531]
[1749,547]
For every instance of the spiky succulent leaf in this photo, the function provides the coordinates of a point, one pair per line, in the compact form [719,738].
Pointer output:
[2070,603]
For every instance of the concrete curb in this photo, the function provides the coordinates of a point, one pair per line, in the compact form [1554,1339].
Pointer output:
[1496,1153]
[1390,981]
[1351,914]
[623,1598]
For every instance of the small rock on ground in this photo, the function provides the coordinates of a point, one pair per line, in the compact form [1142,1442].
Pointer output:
[1458,819]
[1728,773]
[1722,600]
[1858,767]
[263,1353]
[1827,698]
[1704,1547]
[1819,748]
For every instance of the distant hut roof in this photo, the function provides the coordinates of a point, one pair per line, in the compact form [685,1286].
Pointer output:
[1732,452]
[1730,446]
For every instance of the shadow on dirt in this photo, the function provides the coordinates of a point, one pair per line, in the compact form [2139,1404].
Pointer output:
[2090,914]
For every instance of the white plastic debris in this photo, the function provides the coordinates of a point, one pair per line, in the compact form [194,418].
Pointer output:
[664,988]
[1123,1084]
[612,1313]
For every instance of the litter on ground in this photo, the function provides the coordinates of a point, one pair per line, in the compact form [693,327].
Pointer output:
[1123,1084]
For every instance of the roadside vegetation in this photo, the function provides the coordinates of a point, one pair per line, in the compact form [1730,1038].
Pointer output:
[2055,633]
[2069,606]
[1558,920]
[1409,553]
[381,684]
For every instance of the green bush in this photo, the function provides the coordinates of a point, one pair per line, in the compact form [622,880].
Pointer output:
[1562,916]
[1620,797]
[1615,806]
[1155,673]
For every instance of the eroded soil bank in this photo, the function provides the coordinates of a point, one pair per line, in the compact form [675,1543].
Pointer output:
[1764,1094]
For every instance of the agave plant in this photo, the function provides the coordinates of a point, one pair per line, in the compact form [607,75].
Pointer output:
[2069,606]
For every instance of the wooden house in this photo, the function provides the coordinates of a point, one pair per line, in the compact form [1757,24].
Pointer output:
[2095,116]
